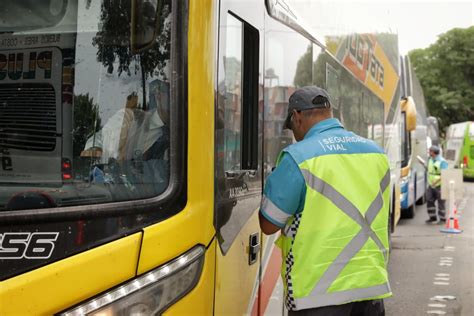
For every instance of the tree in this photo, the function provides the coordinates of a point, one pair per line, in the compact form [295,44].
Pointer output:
[304,69]
[86,121]
[114,48]
[446,72]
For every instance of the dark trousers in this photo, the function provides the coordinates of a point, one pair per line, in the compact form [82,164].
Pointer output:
[433,195]
[364,308]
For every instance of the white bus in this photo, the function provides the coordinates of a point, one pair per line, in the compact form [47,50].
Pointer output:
[36,81]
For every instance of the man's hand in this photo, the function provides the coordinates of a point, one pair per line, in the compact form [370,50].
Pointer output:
[267,227]
[436,183]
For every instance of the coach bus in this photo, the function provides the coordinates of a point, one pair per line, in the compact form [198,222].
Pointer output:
[36,95]
[414,180]
[460,147]
[175,119]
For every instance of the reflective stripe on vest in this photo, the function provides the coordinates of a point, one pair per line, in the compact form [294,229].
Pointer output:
[319,296]
[434,172]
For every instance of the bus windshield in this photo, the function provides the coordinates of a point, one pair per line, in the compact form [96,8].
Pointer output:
[457,130]
[85,116]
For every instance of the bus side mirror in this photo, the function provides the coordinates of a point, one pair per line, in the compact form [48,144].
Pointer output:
[144,26]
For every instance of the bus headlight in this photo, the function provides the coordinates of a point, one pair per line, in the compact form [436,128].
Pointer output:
[151,293]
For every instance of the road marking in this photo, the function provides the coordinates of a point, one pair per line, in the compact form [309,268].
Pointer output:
[441,283]
[449,248]
[445,264]
[442,274]
[441,279]
[437,305]
[442,298]
[446,258]
[436,312]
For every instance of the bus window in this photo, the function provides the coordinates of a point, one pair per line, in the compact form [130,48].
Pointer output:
[458,130]
[87,120]
[333,87]
[404,140]
[232,107]
[287,67]
[237,128]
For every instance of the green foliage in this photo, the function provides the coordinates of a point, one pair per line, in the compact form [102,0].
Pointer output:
[446,72]
[113,40]
[86,120]
[114,49]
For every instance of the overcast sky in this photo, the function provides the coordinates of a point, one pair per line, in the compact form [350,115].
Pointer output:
[418,23]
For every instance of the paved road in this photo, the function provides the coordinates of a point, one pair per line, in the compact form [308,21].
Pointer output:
[433,273]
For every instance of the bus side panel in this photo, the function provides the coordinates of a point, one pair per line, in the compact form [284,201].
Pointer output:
[271,287]
[421,150]
[60,285]
[467,158]
[235,277]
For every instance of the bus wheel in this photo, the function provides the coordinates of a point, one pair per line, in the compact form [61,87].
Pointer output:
[408,212]
[421,200]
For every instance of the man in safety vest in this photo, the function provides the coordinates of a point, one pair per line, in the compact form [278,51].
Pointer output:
[435,164]
[329,195]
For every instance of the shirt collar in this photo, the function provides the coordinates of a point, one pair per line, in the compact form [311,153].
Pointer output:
[323,126]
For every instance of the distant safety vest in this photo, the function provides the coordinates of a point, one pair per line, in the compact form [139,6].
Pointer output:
[336,250]
[434,173]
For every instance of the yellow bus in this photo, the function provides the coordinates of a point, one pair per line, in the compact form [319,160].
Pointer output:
[176,120]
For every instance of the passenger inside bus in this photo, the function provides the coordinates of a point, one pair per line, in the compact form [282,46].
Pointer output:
[134,146]
[147,148]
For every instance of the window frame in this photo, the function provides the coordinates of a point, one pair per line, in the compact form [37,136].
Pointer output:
[250,58]
[173,199]
[228,198]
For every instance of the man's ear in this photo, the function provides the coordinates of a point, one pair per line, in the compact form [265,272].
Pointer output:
[297,118]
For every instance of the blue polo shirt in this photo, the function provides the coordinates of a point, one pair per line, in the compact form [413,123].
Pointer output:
[285,188]
[444,163]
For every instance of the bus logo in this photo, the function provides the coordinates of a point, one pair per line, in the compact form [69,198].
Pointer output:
[16,66]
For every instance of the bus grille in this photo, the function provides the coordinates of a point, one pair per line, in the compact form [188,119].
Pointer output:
[27,117]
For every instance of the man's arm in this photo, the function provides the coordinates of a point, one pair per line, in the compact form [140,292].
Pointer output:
[283,195]
[267,227]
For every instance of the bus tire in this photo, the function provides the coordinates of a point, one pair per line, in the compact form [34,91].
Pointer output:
[408,212]
[421,200]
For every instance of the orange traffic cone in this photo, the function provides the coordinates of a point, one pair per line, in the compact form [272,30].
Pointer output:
[452,223]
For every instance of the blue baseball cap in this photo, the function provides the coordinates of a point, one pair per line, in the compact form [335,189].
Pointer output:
[306,98]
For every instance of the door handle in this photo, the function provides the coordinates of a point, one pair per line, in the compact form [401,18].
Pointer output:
[233,174]
[254,247]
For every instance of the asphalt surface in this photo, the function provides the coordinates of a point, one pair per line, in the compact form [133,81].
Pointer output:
[432,273]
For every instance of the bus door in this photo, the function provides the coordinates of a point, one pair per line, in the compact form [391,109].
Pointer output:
[238,153]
